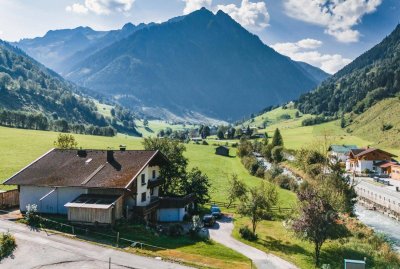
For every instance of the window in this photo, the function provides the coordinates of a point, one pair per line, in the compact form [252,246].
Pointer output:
[143,179]
[154,173]
[143,197]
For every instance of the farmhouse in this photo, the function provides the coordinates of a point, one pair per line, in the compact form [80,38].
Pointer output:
[368,160]
[222,150]
[98,186]
[340,153]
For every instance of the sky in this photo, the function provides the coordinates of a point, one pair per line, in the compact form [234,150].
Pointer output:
[325,33]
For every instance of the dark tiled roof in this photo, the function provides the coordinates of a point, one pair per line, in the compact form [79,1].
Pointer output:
[89,169]
[176,202]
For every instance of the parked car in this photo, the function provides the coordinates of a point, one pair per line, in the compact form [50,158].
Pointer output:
[208,220]
[216,212]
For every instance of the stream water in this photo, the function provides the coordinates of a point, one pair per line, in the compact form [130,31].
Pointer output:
[380,223]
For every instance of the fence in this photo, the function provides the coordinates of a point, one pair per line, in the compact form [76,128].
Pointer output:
[111,237]
[9,199]
[232,205]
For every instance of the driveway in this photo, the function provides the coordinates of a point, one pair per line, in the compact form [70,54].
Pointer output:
[222,233]
[38,249]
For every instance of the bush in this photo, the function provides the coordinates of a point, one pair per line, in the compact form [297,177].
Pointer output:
[31,216]
[286,182]
[175,229]
[7,245]
[247,234]
[205,143]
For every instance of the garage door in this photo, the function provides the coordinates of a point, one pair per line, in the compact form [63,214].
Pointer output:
[168,214]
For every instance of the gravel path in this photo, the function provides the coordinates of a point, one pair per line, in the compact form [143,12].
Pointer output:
[222,233]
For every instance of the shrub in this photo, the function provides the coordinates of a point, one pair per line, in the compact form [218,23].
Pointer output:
[284,117]
[386,127]
[260,172]
[7,245]
[247,234]
[175,229]
[286,182]
[31,216]
[205,143]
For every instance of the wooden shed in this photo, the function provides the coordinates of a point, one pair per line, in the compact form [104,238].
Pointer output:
[222,150]
[95,209]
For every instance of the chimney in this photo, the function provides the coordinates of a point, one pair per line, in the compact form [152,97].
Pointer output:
[110,156]
[122,147]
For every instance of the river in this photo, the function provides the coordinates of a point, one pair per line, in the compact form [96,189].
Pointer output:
[380,223]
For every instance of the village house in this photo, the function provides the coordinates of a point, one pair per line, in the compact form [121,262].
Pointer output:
[99,186]
[395,171]
[370,160]
[340,153]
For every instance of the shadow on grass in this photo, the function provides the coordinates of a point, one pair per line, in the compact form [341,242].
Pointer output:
[281,246]
[335,256]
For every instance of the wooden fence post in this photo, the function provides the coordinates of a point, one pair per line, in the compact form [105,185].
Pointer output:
[117,239]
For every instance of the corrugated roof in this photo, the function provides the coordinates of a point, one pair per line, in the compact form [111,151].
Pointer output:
[59,168]
[342,148]
[93,201]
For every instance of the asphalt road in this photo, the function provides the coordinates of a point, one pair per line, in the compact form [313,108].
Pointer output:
[222,233]
[38,249]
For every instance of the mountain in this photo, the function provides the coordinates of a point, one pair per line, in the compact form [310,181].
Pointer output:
[34,97]
[373,76]
[317,74]
[202,62]
[61,49]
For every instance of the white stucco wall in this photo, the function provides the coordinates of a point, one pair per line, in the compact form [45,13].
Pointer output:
[148,172]
[51,204]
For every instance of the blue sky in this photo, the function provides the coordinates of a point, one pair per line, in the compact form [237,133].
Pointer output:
[325,33]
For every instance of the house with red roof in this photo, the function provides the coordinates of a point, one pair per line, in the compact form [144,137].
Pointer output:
[369,160]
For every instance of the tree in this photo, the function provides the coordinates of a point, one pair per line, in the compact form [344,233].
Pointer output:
[198,184]
[65,141]
[145,123]
[175,171]
[205,131]
[220,134]
[277,139]
[317,221]
[342,122]
[177,180]
[245,148]
[237,189]
[276,154]
[258,203]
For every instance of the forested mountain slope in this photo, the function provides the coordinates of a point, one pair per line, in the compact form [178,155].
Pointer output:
[373,76]
[34,97]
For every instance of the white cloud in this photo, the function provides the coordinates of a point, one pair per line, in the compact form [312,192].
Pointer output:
[337,16]
[77,8]
[309,43]
[304,51]
[252,15]
[192,5]
[101,7]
